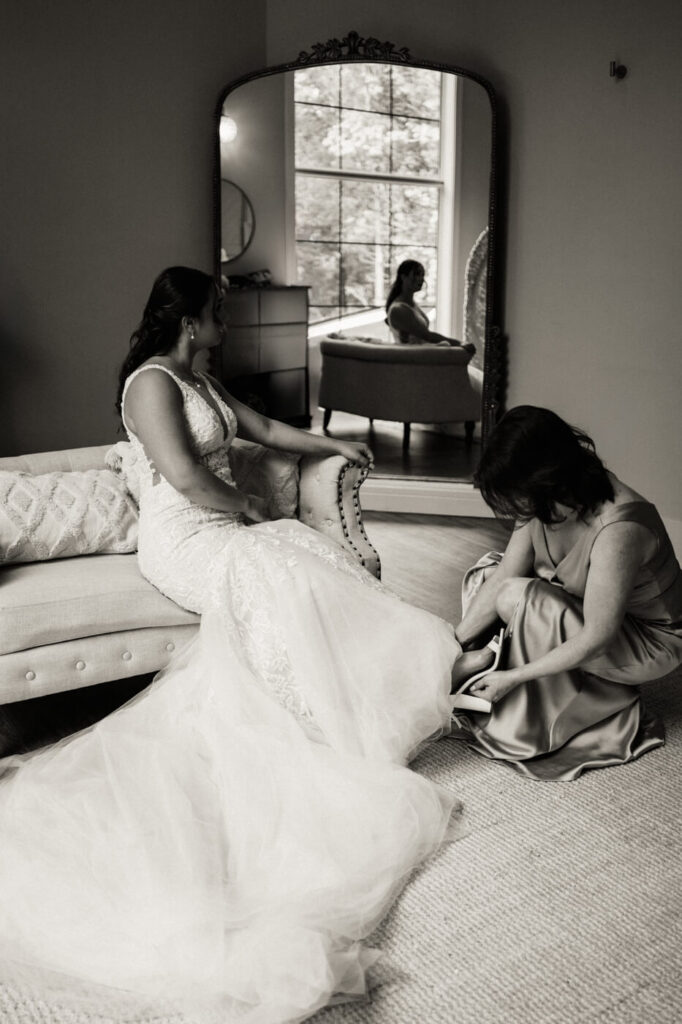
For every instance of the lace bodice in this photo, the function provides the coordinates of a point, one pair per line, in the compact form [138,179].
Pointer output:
[210,434]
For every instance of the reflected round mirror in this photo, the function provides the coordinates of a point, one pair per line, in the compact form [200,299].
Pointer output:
[237,221]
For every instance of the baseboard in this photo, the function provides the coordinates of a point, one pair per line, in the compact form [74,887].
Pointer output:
[447,498]
[428,497]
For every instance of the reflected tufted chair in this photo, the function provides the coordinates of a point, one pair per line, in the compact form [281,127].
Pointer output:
[407,383]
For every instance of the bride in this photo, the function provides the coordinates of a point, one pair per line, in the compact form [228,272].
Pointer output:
[222,843]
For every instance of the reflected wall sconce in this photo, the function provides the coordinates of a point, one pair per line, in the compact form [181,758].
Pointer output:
[617,71]
[228,129]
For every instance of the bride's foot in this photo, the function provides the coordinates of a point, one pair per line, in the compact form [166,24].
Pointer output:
[469,663]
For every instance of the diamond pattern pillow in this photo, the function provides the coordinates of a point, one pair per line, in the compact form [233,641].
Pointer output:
[62,515]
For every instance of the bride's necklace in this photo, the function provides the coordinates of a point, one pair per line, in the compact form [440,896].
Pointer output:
[189,377]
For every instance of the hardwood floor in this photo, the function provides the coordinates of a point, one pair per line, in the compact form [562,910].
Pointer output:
[423,559]
[431,455]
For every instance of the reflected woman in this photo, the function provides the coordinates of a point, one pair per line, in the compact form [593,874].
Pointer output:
[591,594]
[409,323]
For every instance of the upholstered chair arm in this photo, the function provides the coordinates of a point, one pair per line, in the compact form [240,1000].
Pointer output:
[329,502]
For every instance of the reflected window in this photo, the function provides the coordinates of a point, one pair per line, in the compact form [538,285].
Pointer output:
[370,141]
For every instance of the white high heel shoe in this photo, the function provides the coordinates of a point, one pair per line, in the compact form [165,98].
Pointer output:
[463,701]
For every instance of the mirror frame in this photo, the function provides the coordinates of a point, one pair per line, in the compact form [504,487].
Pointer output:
[355,48]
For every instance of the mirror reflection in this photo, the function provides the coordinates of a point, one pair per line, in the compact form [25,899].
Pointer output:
[352,169]
[237,223]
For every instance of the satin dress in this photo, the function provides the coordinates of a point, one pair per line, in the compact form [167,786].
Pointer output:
[222,845]
[555,727]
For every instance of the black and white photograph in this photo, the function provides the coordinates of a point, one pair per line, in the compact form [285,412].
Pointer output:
[340,512]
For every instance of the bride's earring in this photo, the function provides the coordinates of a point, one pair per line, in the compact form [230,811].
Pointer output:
[191,333]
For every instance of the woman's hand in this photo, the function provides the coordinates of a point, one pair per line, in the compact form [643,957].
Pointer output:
[494,686]
[357,452]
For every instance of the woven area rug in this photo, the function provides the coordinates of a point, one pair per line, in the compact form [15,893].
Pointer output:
[563,905]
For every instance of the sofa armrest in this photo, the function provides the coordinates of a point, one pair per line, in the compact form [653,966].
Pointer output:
[329,502]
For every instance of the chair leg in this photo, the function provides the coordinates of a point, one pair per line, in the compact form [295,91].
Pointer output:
[469,428]
[326,418]
[406,436]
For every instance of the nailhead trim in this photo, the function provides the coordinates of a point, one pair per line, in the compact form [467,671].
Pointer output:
[358,517]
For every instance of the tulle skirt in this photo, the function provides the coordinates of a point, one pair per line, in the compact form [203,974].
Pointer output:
[222,844]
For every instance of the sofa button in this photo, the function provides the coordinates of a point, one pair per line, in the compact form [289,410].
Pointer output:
[126,655]
[30,676]
[170,647]
[80,665]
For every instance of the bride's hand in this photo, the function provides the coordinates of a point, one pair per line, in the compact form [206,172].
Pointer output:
[494,686]
[257,509]
[357,452]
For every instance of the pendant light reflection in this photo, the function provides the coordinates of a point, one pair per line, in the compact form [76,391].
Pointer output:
[228,129]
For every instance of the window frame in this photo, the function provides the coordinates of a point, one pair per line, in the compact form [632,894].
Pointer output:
[446,183]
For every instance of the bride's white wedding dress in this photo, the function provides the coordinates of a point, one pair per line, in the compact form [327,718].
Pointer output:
[224,842]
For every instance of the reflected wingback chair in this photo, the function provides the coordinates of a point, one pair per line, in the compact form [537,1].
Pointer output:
[406,383]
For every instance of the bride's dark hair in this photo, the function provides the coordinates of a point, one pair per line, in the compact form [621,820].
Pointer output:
[534,460]
[177,292]
[406,267]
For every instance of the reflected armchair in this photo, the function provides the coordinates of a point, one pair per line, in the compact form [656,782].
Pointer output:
[406,383]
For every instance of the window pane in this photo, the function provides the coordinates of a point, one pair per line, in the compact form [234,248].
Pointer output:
[317,85]
[318,267]
[364,211]
[318,313]
[429,260]
[365,141]
[416,91]
[414,214]
[317,208]
[366,87]
[364,270]
[317,137]
[415,146]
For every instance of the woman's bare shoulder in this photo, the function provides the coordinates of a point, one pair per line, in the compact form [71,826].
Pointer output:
[623,494]
[624,541]
[155,382]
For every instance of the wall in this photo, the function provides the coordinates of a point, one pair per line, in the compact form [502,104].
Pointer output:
[593,303]
[107,128]
[476,133]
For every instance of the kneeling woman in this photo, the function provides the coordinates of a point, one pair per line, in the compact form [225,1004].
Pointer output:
[591,594]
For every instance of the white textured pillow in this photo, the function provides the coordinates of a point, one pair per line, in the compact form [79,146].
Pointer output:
[61,515]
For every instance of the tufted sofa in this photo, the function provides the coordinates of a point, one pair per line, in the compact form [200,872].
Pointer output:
[407,383]
[70,622]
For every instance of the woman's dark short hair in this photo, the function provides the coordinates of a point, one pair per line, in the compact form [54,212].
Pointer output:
[534,460]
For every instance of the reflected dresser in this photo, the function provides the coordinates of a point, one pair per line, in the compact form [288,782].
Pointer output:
[264,356]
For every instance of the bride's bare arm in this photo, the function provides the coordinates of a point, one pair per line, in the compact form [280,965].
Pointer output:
[516,561]
[153,411]
[274,434]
